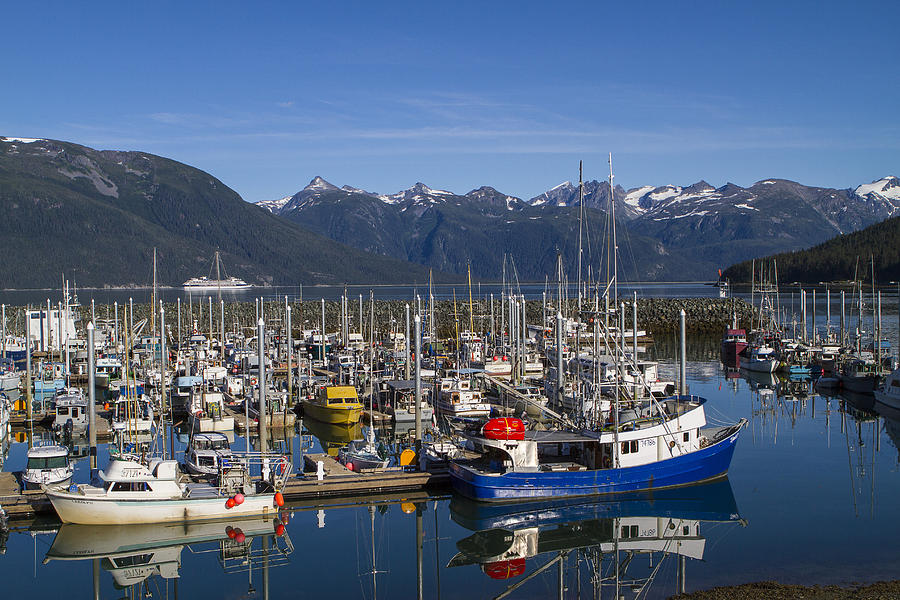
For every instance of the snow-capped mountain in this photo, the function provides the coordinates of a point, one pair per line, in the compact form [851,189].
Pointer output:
[689,230]
[318,190]
[877,200]
[274,206]
[886,189]
[419,192]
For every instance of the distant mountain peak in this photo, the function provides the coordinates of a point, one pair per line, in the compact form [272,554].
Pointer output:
[418,192]
[320,184]
[884,192]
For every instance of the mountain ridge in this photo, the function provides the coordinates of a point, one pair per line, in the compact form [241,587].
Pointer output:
[101,212]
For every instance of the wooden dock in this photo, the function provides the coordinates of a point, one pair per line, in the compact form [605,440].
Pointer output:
[339,486]
[104,431]
[21,504]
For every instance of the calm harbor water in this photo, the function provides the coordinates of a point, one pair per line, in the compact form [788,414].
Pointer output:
[809,499]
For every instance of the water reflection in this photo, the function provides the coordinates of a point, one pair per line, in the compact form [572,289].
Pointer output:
[816,467]
[132,554]
[619,544]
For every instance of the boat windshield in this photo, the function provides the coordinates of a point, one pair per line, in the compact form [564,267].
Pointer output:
[48,462]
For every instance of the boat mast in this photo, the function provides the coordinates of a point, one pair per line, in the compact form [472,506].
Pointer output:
[471,318]
[615,294]
[615,243]
[218,278]
[153,301]
[580,229]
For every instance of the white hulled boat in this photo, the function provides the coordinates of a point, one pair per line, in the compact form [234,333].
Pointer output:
[134,492]
[207,283]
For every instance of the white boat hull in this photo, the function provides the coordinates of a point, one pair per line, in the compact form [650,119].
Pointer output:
[10,381]
[75,507]
[206,424]
[759,365]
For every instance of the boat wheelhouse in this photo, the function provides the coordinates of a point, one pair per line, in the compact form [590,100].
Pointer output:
[47,465]
[207,453]
[398,399]
[457,398]
[337,404]
[70,411]
[733,344]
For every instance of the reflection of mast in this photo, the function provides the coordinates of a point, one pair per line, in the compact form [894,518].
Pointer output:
[419,535]
[374,570]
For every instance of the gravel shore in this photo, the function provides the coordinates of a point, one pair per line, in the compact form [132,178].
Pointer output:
[770,590]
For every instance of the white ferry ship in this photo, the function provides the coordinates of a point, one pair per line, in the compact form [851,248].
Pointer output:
[205,283]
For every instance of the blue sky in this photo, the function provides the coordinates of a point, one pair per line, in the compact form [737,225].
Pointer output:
[381,95]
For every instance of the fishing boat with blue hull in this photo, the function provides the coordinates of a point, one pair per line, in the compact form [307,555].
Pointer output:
[664,445]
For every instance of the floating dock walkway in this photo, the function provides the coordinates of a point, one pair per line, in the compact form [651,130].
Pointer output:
[339,485]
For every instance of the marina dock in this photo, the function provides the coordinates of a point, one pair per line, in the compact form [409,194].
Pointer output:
[338,485]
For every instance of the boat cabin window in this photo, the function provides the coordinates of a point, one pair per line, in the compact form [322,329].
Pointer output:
[630,531]
[129,486]
[62,410]
[48,462]
[687,436]
[629,447]
[207,461]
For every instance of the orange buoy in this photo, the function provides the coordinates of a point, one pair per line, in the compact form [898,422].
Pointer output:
[349,465]
[279,499]
[279,530]
[239,536]
[229,503]
[239,498]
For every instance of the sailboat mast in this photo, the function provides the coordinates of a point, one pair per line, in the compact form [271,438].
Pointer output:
[218,277]
[471,318]
[153,301]
[615,243]
[580,228]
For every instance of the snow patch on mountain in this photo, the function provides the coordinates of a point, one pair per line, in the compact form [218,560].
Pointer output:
[274,206]
[665,192]
[22,140]
[633,198]
[886,187]
[419,192]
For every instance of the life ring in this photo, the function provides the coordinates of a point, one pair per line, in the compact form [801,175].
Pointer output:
[281,467]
